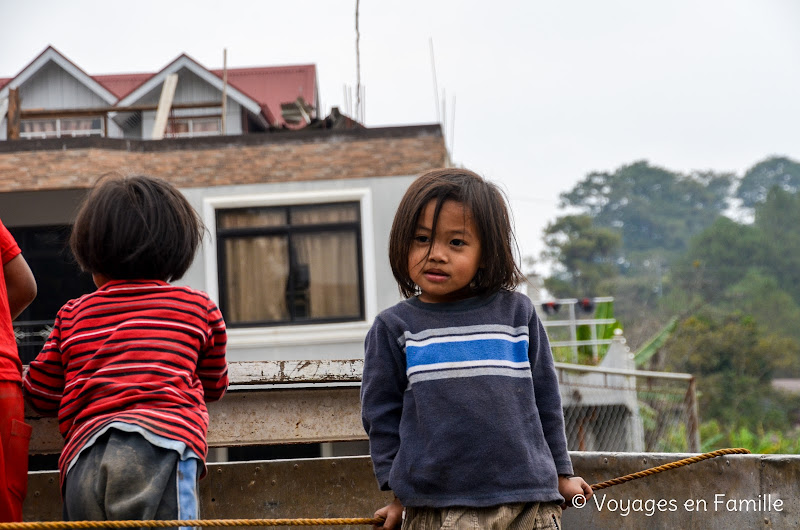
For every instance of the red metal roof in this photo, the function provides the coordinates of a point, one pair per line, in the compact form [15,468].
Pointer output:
[272,85]
[269,86]
[121,84]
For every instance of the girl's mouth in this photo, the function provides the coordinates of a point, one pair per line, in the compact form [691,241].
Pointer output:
[435,275]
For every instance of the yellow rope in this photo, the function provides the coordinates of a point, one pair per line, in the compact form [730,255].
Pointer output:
[70,525]
[664,467]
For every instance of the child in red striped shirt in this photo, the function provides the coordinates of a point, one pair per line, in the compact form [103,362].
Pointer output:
[129,368]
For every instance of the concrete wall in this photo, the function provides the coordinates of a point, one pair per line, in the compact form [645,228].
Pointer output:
[719,493]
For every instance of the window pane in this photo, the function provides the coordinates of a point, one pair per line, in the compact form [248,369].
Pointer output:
[205,125]
[81,127]
[38,129]
[256,279]
[251,217]
[324,213]
[326,275]
[177,127]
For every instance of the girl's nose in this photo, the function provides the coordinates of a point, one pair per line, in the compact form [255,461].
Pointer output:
[437,252]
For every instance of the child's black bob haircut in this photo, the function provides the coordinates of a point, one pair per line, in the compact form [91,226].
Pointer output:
[487,205]
[136,227]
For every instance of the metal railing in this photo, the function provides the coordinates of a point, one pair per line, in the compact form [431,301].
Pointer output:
[31,336]
[614,409]
[556,329]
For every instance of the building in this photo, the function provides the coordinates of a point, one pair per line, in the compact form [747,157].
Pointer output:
[298,207]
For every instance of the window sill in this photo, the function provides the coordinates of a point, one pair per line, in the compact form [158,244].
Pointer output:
[298,335]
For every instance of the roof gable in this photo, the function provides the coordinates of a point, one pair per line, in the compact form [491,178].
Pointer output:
[184,61]
[50,54]
[121,84]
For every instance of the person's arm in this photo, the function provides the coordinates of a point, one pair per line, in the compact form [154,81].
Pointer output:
[569,487]
[548,396]
[382,386]
[212,367]
[392,514]
[20,285]
[43,382]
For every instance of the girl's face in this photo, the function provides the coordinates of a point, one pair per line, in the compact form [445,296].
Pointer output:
[443,266]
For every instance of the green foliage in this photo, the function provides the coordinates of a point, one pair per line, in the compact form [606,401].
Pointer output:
[603,310]
[734,363]
[758,294]
[652,207]
[719,257]
[778,221]
[585,255]
[735,285]
[646,352]
[757,440]
[774,172]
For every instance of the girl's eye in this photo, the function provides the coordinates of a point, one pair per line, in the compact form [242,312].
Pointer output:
[421,239]
[458,243]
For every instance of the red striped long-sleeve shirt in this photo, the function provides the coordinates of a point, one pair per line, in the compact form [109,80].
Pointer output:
[141,352]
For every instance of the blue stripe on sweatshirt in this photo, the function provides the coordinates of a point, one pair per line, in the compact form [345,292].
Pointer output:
[489,348]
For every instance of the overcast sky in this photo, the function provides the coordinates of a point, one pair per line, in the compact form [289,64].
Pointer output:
[538,93]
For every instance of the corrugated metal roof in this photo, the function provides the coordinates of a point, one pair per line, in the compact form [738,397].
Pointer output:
[122,84]
[273,85]
[269,86]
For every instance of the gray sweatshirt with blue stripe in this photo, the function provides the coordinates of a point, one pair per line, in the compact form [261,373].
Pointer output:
[461,403]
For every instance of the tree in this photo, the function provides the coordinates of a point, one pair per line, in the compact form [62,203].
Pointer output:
[584,256]
[776,171]
[758,294]
[719,257]
[734,362]
[653,208]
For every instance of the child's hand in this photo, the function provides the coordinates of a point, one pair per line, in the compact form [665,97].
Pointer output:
[393,513]
[569,487]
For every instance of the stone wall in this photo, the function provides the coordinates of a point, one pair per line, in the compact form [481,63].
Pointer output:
[68,163]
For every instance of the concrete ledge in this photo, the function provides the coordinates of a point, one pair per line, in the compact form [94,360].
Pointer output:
[735,491]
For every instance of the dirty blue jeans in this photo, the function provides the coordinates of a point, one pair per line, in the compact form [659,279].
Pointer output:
[122,476]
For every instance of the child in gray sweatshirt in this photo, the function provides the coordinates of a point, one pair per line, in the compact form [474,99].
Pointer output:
[459,395]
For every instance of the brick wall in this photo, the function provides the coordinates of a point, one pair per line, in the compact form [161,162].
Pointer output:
[28,165]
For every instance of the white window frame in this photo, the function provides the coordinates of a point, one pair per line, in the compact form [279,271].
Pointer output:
[294,334]
[60,133]
[190,120]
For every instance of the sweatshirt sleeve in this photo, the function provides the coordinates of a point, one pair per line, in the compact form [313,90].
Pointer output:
[382,387]
[43,383]
[548,397]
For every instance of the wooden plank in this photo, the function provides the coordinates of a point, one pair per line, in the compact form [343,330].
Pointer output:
[12,125]
[3,108]
[99,111]
[164,106]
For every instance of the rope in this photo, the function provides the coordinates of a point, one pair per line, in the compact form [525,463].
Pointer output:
[664,467]
[72,525]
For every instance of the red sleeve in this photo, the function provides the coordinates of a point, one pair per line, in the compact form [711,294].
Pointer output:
[43,384]
[212,367]
[8,247]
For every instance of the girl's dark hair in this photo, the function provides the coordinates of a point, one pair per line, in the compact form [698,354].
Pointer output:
[487,205]
[136,227]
